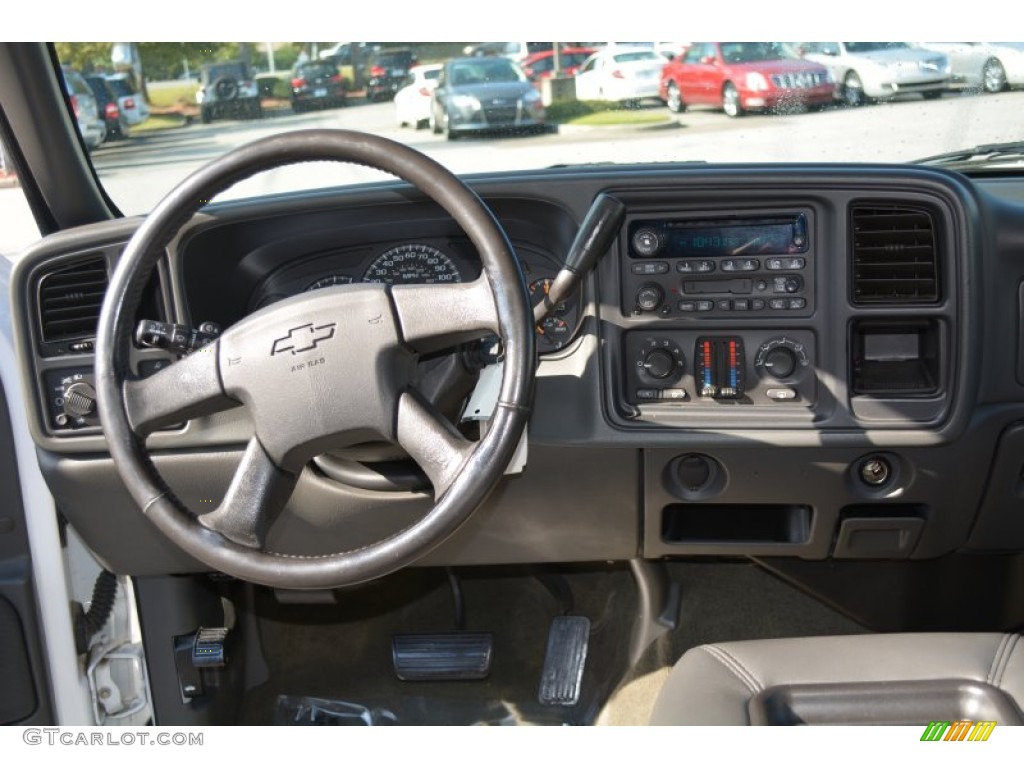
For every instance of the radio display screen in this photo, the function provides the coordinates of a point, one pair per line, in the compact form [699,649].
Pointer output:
[682,239]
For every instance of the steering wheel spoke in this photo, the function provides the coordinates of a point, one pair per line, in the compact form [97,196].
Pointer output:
[257,494]
[436,316]
[431,441]
[184,390]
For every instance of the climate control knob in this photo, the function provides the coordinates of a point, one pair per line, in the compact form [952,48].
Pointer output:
[780,363]
[660,363]
[781,358]
[650,297]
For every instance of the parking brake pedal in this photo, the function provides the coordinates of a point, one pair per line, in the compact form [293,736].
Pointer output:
[562,677]
[448,656]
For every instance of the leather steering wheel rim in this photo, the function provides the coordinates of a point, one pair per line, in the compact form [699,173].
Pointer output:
[463,474]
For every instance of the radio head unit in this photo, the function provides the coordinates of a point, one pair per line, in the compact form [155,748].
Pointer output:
[719,265]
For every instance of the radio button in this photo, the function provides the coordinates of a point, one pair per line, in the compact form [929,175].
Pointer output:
[778,303]
[704,305]
[741,305]
[757,304]
[691,266]
[687,306]
[649,268]
[797,303]
[724,305]
[787,284]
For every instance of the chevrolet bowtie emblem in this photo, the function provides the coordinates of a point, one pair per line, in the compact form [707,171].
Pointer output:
[303,338]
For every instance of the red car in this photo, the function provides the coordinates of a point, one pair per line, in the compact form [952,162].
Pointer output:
[744,76]
[538,66]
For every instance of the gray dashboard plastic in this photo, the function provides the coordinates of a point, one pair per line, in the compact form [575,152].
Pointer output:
[594,486]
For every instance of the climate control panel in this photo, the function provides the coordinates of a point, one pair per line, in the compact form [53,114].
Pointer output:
[698,369]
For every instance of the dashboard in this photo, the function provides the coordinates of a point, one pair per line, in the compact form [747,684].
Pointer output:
[795,362]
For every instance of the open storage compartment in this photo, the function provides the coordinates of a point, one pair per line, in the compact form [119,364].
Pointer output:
[736,523]
[896,357]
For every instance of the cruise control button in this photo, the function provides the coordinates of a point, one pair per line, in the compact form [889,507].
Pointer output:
[148,367]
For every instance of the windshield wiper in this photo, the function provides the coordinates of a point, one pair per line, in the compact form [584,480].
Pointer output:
[979,156]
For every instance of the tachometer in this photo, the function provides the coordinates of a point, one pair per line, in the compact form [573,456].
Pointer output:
[412,263]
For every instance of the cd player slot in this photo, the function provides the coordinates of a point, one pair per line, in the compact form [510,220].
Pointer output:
[742,286]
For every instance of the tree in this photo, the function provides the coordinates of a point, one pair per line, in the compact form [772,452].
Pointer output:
[86,57]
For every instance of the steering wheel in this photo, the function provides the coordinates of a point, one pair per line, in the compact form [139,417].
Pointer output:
[318,371]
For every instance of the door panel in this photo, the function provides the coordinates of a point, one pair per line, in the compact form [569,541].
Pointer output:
[25,693]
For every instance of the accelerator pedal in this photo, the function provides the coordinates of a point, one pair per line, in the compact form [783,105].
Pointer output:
[448,656]
[562,677]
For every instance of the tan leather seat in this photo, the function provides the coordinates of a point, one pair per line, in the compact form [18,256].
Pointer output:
[904,679]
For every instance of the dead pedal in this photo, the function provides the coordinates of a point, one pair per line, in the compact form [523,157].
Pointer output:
[562,677]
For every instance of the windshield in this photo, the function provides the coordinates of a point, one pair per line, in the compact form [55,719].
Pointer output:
[479,71]
[872,47]
[217,71]
[740,53]
[793,102]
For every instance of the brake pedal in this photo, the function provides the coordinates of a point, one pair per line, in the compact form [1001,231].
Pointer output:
[562,677]
[449,656]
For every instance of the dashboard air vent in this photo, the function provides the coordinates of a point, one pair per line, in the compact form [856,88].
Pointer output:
[70,300]
[895,259]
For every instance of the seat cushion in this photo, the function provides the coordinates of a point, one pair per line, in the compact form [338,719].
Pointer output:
[714,684]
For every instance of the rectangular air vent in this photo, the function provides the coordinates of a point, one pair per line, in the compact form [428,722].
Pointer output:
[895,257]
[70,300]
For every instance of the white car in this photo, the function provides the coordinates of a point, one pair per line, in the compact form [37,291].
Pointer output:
[620,74]
[985,66]
[866,71]
[412,102]
[130,99]
[1011,59]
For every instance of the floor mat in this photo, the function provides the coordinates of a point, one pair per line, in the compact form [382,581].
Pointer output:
[341,655]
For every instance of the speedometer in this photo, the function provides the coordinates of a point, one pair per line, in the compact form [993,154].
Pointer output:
[412,263]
